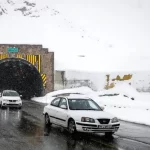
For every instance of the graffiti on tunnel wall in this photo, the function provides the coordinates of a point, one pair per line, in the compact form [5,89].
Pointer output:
[33,59]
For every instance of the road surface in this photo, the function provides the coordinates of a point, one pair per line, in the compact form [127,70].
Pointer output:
[25,130]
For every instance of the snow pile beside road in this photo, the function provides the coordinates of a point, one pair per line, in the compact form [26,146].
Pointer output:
[40,99]
[130,114]
[125,108]
[80,90]
[119,101]
[123,89]
[50,96]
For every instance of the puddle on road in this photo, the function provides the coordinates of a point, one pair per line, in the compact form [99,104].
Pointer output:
[19,120]
[29,127]
[10,114]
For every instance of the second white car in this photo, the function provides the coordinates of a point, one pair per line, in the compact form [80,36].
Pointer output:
[10,98]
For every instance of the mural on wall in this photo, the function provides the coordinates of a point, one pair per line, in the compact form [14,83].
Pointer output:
[111,83]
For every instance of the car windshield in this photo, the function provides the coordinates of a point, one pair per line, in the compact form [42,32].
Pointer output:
[10,93]
[83,104]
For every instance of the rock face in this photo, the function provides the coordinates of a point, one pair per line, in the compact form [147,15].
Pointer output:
[3,10]
[25,7]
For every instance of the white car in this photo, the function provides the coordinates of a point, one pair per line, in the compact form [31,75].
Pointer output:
[10,98]
[77,113]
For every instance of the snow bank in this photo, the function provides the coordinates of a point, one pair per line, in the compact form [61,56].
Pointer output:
[130,114]
[81,90]
[40,99]
[123,89]
[124,108]
[50,96]
[123,102]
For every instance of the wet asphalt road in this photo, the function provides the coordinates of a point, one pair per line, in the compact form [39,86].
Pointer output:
[24,130]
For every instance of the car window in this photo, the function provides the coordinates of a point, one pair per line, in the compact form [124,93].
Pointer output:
[83,104]
[55,102]
[63,102]
[92,105]
[10,93]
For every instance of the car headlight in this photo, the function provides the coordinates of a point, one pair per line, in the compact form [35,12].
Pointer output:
[87,119]
[4,100]
[114,120]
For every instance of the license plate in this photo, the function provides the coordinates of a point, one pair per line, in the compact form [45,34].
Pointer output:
[104,126]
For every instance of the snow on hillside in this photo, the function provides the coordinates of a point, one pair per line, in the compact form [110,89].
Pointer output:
[105,32]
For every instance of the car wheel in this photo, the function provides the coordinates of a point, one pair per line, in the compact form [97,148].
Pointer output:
[47,120]
[109,134]
[3,107]
[20,107]
[71,127]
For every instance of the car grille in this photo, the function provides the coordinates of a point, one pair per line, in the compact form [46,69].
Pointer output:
[103,121]
[12,100]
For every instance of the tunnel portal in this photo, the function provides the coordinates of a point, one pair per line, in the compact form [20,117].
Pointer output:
[26,68]
[20,75]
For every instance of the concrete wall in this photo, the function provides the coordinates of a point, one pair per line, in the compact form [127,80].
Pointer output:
[62,82]
[59,80]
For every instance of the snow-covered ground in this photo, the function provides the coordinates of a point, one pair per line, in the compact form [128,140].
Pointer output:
[123,101]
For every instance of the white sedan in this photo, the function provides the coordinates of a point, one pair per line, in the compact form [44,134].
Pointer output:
[80,114]
[10,98]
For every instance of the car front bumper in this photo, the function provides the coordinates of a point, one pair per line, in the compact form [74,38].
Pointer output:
[8,104]
[97,128]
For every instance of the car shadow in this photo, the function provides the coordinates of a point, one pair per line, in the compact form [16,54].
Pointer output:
[87,139]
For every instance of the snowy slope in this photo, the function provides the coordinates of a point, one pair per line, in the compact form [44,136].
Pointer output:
[112,35]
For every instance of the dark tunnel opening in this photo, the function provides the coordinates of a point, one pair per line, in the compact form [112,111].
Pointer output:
[20,75]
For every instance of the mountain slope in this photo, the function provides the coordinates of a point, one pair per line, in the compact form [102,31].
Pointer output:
[106,33]
[25,7]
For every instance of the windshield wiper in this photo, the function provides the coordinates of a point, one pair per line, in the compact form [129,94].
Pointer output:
[92,109]
[84,109]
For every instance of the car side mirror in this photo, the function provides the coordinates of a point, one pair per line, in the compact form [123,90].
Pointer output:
[102,107]
[63,107]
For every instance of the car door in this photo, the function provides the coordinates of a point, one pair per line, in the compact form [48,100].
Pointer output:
[0,97]
[52,110]
[62,113]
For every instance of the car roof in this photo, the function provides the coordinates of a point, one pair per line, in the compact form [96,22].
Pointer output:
[75,96]
[9,91]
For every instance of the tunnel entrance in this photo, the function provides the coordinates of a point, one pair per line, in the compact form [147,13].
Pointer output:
[20,75]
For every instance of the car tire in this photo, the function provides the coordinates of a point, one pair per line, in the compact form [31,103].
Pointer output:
[2,107]
[20,107]
[71,126]
[47,120]
[109,134]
